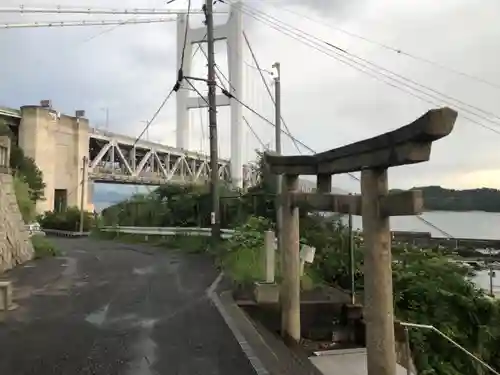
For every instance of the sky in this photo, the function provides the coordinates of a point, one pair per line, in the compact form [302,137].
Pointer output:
[326,103]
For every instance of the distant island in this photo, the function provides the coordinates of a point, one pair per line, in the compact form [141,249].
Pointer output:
[437,198]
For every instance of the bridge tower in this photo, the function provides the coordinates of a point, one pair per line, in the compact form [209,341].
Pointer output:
[232,32]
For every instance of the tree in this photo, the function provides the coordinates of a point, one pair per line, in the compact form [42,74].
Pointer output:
[24,167]
[23,196]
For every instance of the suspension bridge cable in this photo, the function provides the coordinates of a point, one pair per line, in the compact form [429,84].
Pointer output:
[218,74]
[221,86]
[51,24]
[377,75]
[254,57]
[181,75]
[398,51]
[419,217]
[370,65]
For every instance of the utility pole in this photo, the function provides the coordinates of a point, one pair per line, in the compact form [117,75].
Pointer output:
[277,128]
[491,273]
[82,195]
[351,261]
[212,112]
[279,185]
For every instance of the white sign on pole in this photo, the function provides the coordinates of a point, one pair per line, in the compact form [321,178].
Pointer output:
[307,253]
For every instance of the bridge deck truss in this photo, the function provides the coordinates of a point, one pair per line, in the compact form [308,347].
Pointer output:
[115,158]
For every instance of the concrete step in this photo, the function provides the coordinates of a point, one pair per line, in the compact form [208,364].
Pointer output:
[345,362]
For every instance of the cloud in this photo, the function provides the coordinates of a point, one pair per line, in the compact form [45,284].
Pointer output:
[338,9]
[326,103]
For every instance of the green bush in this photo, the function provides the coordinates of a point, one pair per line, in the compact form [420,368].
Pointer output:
[24,166]
[428,289]
[242,256]
[68,220]
[26,204]
[43,247]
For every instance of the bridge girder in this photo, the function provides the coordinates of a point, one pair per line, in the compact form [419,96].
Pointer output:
[115,158]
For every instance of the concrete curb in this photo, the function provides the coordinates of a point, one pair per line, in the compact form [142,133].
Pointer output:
[245,346]
[266,352]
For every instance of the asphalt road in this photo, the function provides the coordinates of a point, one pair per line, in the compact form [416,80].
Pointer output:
[108,308]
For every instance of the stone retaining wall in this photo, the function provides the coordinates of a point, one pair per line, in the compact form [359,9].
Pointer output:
[15,243]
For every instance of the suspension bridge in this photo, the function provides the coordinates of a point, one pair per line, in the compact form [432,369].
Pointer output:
[73,154]
[59,143]
[68,150]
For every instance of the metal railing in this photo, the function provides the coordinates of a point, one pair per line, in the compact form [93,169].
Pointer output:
[449,339]
[166,231]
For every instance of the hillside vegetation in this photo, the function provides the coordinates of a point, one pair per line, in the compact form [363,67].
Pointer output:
[28,179]
[437,198]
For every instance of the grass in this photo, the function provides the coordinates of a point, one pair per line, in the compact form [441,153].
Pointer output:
[243,266]
[43,247]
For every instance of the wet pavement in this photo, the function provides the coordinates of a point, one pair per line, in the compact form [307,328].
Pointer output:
[105,308]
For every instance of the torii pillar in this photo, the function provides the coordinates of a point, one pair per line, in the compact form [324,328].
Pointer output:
[232,31]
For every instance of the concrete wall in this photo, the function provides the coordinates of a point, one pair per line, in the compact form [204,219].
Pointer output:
[58,144]
[15,244]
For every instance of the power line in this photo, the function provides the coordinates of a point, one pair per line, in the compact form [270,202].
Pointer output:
[371,64]
[374,73]
[261,70]
[91,11]
[50,24]
[255,134]
[201,97]
[218,74]
[399,51]
[197,91]
[106,31]
[148,124]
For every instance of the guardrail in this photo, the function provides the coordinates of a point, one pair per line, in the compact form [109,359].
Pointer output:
[167,231]
[64,233]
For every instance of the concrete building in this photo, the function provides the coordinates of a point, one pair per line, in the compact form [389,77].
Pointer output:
[58,143]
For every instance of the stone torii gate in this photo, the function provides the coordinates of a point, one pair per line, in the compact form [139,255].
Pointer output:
[407,145]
